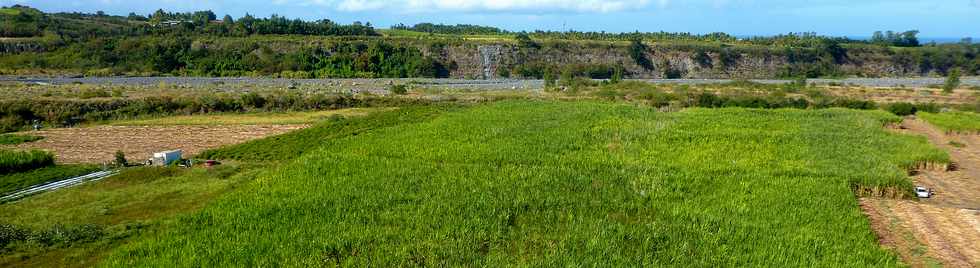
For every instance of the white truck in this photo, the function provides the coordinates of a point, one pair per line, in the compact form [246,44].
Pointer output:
[166,158]
[923,192]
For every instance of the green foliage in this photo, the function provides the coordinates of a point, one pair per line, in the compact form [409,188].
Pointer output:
[550,79]
[293,144]
[703,60]
[902,108]
[15,114]
[638,52]
[890,38]
[12,182]
[60,235]
[126,207]
[729,58]
[563,183]
[18,161]
[905,108]
[13,139]
[399,89]
[952,81]
[965,122]
[21,21]
[616,77]
[450,29]
[682,97]
[121,159]
[253,100]
[524,41]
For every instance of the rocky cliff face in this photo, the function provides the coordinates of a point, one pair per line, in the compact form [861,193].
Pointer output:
[481,61]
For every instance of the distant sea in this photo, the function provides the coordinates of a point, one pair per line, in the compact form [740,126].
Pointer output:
[922,40]
[926,40]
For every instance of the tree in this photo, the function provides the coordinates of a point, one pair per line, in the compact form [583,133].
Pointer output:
[524,41]
[121,159]
[952,81]
[227,20]
[638,51]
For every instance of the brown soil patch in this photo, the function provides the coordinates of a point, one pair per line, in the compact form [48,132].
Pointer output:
[913,95]
[924,234]
[944,229]
[959,188]
[99,144]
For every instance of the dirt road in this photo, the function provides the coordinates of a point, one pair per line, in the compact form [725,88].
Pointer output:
[944,229]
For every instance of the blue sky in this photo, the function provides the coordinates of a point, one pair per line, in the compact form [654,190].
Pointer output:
[935,18]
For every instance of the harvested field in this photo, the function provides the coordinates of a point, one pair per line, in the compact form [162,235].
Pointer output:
[290,118]
[926,235]
[99,144]
[944,229]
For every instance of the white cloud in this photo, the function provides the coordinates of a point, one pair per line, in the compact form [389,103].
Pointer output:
[477,5]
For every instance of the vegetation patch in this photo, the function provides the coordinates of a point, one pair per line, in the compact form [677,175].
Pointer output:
[954,122]
[17,161]
[12,182]
[287,118]
[13,139]
[293,144]
[77,226]
[561,183]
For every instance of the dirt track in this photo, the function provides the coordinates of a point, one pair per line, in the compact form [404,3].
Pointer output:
[99,144]
[944,229]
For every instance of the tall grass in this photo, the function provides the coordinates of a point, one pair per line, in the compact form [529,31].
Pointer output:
[965,122]
[17,161]
[521,183]
[293,144]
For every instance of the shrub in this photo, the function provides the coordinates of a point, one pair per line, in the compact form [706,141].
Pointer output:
[11,139]
[399,89]
[902,108]
[253,100]
[952,81]
[58,235]
[121,159]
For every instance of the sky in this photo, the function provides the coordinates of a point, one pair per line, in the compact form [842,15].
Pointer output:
[853,18]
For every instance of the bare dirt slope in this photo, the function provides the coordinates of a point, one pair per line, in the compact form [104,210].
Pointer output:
[99,144]
[944,229]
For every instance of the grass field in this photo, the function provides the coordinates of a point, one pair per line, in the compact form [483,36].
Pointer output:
[293,144]
[76,227]
[12,139]
[16,161]
[290,118]
[954,121]
[563,184]
[13,182]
